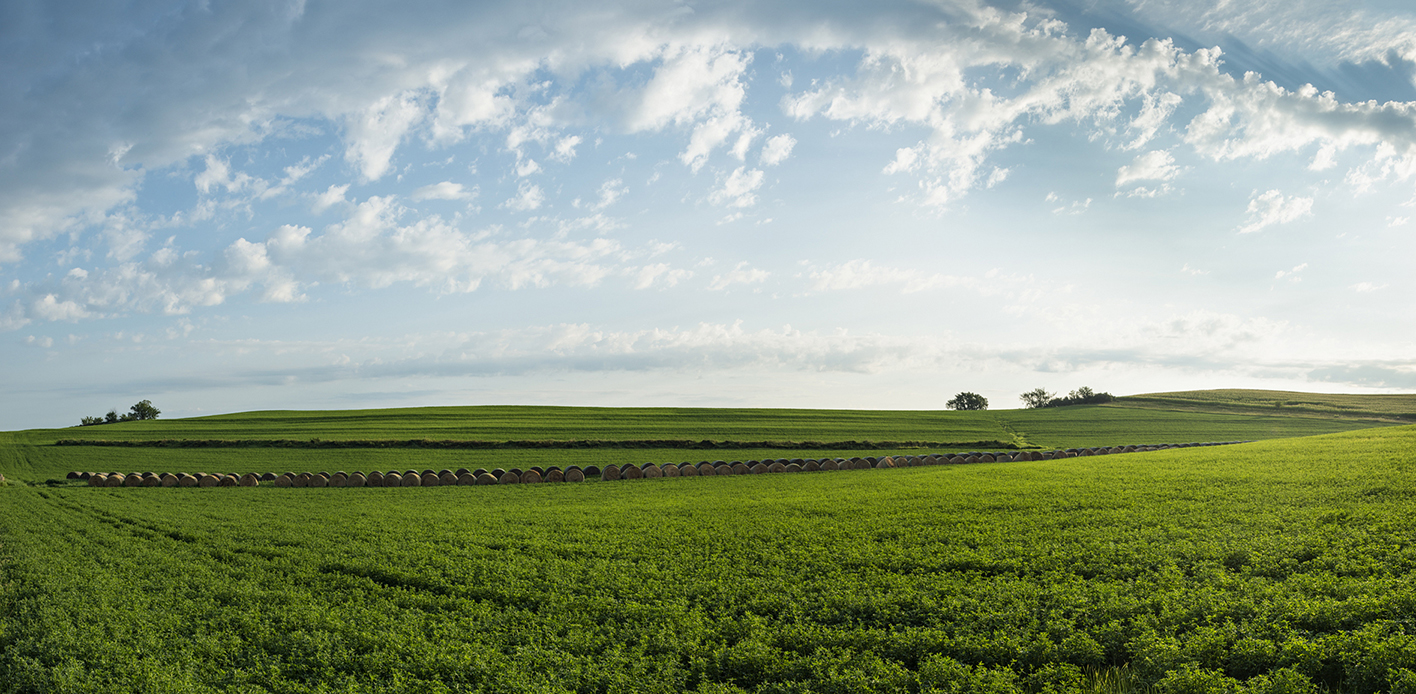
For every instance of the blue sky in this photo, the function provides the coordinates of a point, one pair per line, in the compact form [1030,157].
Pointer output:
[223,207]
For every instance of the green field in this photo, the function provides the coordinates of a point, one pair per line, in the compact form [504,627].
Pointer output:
[31,455]
[1389,407]
[1283,565]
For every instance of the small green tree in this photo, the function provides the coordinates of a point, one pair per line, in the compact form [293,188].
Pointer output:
[967,401]
[144,410]
[1036,398]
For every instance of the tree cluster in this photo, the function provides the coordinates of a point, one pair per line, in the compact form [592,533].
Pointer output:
[1039,398]
[142,410]
[967,401]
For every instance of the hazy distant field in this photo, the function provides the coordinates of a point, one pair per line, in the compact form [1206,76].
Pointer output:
[30,455]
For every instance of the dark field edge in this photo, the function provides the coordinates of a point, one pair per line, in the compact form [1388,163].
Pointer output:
[684,444]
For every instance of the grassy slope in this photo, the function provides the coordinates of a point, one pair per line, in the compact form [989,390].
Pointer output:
[1389,407]
[26,455]
[1283,561]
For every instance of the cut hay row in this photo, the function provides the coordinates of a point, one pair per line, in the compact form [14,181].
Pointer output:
[574,473]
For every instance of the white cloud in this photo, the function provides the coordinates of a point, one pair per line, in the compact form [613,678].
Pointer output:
[1151,166]
[332,196]
[738,189]
[857,274]
[528,197]
[376,132]
[610,191]
[1270,208]
[1292,275]
[659,274]
[446,190]
[741,274]
[1367,287]
[777,149]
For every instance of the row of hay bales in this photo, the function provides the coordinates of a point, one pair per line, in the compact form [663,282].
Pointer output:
[393,478]
[574,473]
[780,465]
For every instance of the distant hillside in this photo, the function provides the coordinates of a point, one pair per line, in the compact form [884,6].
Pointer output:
[1395,408]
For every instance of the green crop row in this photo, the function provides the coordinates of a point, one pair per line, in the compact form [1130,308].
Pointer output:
[1278,566]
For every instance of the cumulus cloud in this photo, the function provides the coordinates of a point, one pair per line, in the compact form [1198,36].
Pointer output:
[856,274]
[379,86]
[740,274]
[1151,166]
[446,190]
[659,275]
[529,196]
[738,189]
[370,248]
[1271,207]
[777,149]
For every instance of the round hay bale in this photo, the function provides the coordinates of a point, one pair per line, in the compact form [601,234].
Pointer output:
[249,480]
[393,478]
[530,477]
[427,472]
[986,458]
[461,471]
[799,462]
[356,480]
[739,468]
[539,470]
[885,462]
[706,469]
[151,481]
[338,479]
[776,467]
[446,472]
[466,479]
[509,478]
[629,472]
[97,480]
[132,480]
[486,478]
[610,473]
[793,467]
[410,479]
[268,476]
[574,475]
[84,476]
[168,479]
[283,482]
[554,475]
[375,479]
[71,476]
[497,473]
[860,464]
[723,469]
[652,472]
[829,465]
[973,459]
[758,469]
[429,479]
[591,471]
[812,466]
[318,481]
[227,481]
[669,470]
[687,470]
[479,472]
[446,477]
[206,480]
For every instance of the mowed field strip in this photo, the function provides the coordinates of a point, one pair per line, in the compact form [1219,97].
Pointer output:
[1283,565]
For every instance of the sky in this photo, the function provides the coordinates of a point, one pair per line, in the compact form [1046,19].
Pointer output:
[223,206]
